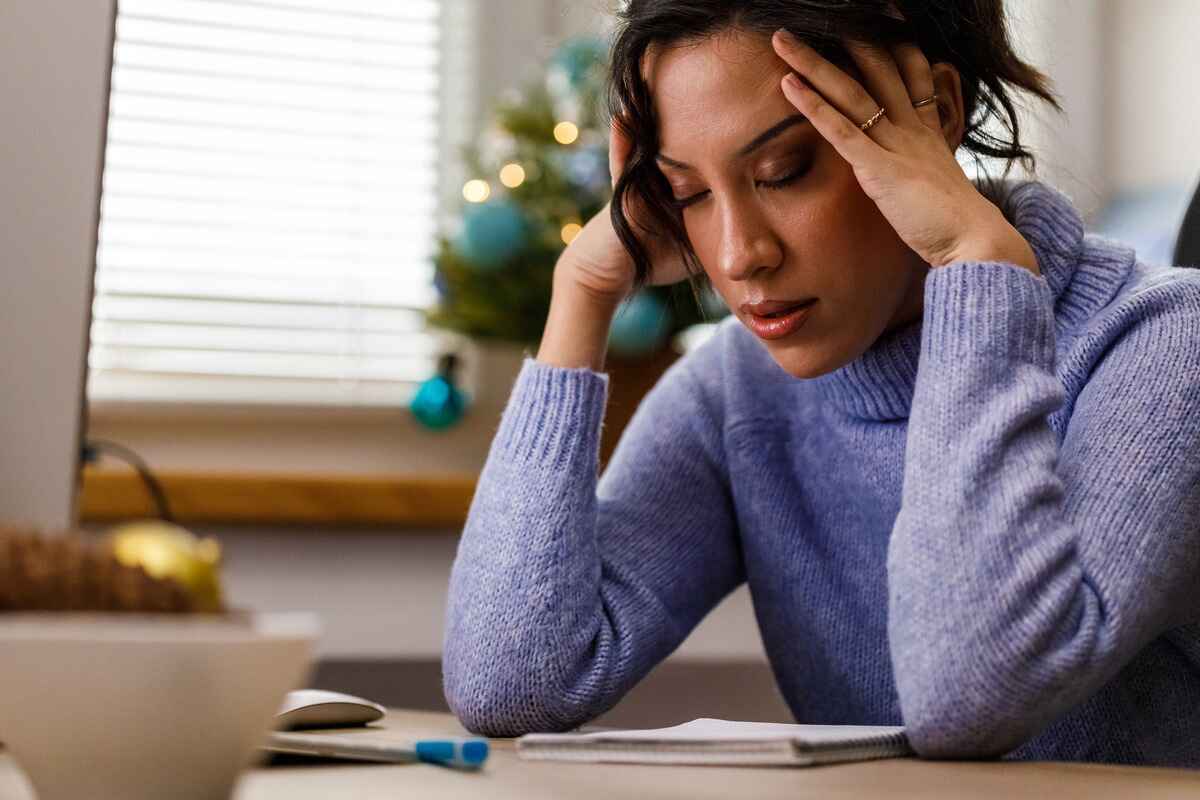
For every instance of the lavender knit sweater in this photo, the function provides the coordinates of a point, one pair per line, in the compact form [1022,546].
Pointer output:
[986,528]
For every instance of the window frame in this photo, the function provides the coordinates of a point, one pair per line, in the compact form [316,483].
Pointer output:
[462,68]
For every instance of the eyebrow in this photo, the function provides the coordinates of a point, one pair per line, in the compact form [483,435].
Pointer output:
[755,143]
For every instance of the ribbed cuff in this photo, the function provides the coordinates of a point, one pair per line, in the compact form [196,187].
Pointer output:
[987,308]
[553,415]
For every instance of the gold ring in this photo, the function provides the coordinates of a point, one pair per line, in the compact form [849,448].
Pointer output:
[866,126]
[932,98]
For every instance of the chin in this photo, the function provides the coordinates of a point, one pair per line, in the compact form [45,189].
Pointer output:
[803,362]
[815,354]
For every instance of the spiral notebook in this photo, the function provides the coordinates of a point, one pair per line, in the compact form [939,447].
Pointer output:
[722,742]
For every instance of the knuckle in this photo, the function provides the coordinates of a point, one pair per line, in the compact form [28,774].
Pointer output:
[843,128]
[914,56]
[799,62]
[930,132]
[821,70]
[863,98]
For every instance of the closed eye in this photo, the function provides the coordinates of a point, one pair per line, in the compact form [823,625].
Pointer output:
[786,179]
[775,184]
[687,201]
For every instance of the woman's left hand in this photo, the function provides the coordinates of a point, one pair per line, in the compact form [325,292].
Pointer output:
[902,162]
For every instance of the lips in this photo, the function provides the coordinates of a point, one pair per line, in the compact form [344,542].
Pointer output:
[769,307]
[781,323]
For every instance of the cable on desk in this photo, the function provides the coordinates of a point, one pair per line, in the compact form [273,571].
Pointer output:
[92,448]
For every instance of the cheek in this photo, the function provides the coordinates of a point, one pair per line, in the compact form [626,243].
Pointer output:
[827,229]
[841,238]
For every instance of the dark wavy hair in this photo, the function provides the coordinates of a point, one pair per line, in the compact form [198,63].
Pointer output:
[969,34]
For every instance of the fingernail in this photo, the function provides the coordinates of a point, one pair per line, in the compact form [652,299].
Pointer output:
[783,36]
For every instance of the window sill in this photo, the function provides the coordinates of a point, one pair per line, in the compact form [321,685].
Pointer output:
[424,502]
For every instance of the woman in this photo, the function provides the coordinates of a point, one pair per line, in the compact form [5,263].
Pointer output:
[959,469]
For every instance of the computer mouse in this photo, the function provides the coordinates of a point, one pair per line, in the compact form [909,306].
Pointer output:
[317,708]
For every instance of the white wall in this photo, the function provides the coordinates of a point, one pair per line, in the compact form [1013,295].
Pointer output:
[1152,69]
[1127,72]
[1064,39]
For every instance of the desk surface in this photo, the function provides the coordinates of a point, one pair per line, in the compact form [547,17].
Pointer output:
[507,776]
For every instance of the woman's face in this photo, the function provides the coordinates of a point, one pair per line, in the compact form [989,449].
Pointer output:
[772,210]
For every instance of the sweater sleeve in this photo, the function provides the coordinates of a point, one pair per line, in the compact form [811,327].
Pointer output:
[565,590]
[1023,573]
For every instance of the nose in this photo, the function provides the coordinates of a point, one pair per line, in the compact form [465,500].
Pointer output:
[747,242]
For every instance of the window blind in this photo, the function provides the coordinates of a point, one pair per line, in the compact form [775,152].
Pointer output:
[270,202]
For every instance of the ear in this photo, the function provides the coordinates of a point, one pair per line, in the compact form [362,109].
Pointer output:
[948,85]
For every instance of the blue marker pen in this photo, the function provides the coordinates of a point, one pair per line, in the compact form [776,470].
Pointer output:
[467,753]
[461,752]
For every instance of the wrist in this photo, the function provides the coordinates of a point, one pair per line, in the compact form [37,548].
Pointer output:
[997,240]
[1012,250]
[573,285]
[577,326]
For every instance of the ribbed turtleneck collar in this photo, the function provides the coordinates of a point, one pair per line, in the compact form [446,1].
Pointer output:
[879,384]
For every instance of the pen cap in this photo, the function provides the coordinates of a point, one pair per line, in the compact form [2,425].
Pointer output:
[458,753]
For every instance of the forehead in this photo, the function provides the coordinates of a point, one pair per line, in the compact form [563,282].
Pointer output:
[712,96]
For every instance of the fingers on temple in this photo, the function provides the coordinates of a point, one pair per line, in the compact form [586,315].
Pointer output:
[884,82]
[918,77]
[837,87]
[847,138]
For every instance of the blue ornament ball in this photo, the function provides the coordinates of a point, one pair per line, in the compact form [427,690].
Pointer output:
[492,233]
[438,403]
[587,168]
[640,325]
[577,56]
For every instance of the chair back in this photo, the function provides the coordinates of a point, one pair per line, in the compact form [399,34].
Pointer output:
[1187,244]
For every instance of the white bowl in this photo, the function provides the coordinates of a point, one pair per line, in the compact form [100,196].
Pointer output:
[144,706]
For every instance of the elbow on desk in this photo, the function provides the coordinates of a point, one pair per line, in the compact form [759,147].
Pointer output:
[978,701]
[961,703]
[491,701]
[945,723]
[498,679]
[492,713]
[937,736]
[485,718]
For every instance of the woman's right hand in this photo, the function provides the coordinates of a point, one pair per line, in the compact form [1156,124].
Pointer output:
[596,261]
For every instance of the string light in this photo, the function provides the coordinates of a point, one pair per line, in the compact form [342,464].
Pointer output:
[512,175]
[570,231]
[476,191]
[566,132]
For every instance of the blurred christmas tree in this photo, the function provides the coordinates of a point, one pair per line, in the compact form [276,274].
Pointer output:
[540,171]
